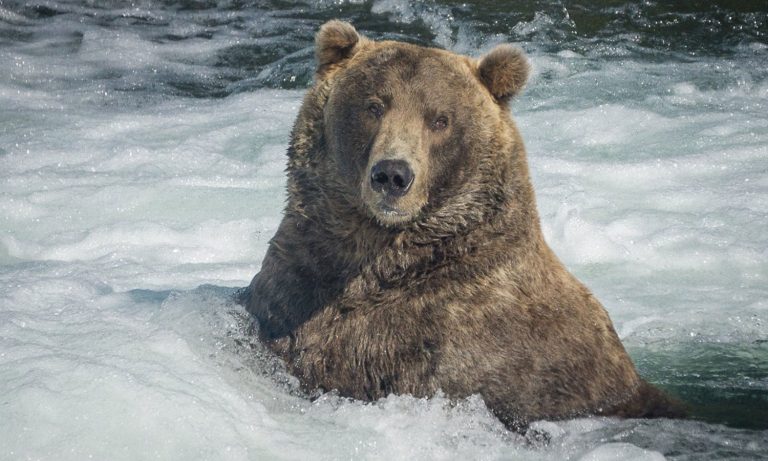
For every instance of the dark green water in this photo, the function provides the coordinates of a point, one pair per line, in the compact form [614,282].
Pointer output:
[720,383]
[281,56]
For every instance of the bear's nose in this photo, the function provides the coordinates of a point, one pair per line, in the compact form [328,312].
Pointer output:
[391,177]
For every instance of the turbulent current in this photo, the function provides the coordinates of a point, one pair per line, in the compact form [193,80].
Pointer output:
[142,149]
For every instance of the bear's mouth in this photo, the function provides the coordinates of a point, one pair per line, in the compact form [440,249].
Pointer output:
[391,210]
[390,214]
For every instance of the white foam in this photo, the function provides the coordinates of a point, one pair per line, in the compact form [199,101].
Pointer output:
[439,19]
[621,452]
[403,11]
[106,375]
[208,242]
[11,17]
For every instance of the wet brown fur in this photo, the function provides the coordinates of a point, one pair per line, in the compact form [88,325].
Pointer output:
[464,296]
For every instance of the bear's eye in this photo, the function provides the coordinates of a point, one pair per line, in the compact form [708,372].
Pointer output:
[440,123]
[377,109]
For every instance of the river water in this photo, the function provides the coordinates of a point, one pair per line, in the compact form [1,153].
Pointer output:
[142,148]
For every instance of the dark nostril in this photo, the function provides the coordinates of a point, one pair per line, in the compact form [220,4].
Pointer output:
[391,177]
[398,181]
[380,178]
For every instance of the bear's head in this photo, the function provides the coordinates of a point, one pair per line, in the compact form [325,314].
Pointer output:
[409,131]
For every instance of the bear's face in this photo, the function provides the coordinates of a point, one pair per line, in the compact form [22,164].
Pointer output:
[404,124]
[395,122]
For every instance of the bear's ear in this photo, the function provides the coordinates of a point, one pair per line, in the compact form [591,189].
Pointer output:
[334,42]
[504,71]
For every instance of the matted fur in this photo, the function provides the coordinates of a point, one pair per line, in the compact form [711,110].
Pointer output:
[464,296]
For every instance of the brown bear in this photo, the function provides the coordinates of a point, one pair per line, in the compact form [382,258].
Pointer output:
[410,257]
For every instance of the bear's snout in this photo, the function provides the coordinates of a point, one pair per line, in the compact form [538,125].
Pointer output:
[393,191]
[393,178]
